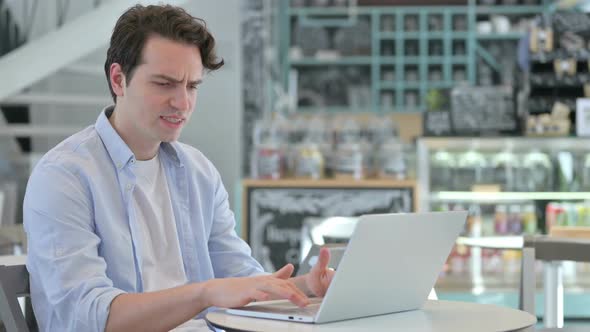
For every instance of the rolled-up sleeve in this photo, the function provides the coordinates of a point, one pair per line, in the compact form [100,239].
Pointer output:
[70,289]
[230,255]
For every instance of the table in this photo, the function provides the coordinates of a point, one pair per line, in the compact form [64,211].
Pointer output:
[551,251]
[435,316]
[486,242]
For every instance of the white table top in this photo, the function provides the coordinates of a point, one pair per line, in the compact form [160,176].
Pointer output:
[493,242]
[435,316]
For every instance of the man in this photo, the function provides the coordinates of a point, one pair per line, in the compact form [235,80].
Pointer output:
[130,230]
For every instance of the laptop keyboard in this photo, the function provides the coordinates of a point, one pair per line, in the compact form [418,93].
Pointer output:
[290,308]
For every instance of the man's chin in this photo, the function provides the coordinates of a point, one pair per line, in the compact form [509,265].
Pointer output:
[169,138]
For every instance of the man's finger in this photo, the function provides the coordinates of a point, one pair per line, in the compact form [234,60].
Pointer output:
[284,292]
[324,259]
[259,296]
[285,272]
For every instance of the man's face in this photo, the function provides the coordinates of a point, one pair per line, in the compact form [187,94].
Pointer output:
[159,99]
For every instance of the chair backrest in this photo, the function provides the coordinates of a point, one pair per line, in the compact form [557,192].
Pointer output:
[14,283]
[9,203]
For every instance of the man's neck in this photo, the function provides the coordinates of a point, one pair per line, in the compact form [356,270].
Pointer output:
[141,148]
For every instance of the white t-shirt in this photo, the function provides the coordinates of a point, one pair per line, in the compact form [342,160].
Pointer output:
[162,266]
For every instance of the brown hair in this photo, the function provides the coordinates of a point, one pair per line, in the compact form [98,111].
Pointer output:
[140,22]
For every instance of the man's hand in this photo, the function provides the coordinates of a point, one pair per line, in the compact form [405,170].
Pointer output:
[320,276]
[317,281]
[237,292]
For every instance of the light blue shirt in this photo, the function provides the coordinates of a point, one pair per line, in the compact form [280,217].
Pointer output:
[83,240]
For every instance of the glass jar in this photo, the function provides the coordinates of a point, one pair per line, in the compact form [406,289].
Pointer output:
[392,160]
[348,162]
[309,161]
[442,170]
[267,162]
[471,167]
[504,168]
[536,172]
[267,158]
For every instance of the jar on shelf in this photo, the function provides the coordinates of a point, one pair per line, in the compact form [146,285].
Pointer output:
[348,162]
[267,159]
[309,161]
[536,172]
[442,171]
[504,167]
[471,170]
[392,160]
[311,153]
[267,162]
[349,159]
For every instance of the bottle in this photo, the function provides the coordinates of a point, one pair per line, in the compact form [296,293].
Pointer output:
[501,220]
[474,221]
[515,220]
[529,219]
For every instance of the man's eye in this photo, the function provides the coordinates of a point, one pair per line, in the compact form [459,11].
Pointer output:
[162,83]
[193,87]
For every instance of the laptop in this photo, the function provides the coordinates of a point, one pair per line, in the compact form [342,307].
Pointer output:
[390,265]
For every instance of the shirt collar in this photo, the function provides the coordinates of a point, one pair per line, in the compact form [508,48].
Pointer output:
[118,150]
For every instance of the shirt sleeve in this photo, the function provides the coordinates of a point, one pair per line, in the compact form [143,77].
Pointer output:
[230,255]
[70,289]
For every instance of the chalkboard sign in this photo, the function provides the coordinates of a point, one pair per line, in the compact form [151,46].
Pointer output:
[483,110]
[437,123]
[275,215]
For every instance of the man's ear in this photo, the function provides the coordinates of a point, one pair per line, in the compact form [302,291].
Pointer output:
[117,78]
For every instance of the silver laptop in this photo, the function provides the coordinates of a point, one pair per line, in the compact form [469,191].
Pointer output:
[410,250]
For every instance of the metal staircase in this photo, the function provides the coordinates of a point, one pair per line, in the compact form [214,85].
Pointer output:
[51,79]
[11,37]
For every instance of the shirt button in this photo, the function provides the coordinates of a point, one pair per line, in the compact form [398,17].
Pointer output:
[133,161]
[129,186]
[119,165]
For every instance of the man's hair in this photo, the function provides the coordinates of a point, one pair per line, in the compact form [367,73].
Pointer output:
[139,23]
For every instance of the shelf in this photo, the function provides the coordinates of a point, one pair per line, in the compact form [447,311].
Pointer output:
[387,35]
[416,85]
[340,61]
[415,60]
[380,10]
[506,10]
[515,143]
[332,109]
[544,57]
[329,183]
[501,36]
[497,197]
